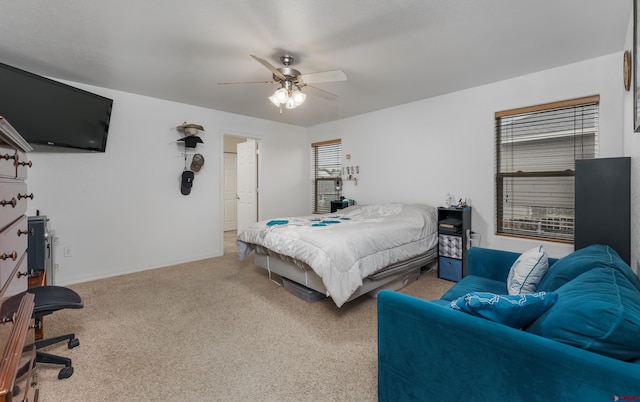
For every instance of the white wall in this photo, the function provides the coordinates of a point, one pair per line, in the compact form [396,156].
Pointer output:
[420,151]
[122,211]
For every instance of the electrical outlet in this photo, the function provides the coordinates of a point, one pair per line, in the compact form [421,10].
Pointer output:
[67,252]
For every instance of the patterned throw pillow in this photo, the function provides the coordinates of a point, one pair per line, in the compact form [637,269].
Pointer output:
[516,311]
[527,271]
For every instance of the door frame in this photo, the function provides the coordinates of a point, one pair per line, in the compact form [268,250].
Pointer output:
[233,159]
[258,139]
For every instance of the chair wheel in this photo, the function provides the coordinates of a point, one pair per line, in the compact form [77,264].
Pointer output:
[73,343]
[65,372]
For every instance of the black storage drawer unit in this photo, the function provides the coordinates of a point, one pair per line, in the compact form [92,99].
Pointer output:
[454,233]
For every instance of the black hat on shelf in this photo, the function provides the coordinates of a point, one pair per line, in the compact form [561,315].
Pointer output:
[191,141]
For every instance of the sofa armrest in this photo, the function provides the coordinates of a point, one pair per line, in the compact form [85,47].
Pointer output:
[489,263]
[427,352]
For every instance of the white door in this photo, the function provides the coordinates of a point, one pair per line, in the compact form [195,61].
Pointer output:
[247,184]
[230,191]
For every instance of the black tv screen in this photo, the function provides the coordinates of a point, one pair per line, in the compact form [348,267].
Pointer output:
[50,113]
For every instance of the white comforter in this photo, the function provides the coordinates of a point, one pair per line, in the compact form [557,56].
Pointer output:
[349,245]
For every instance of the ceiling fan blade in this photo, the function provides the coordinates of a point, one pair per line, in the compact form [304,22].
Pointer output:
[247,82]
[271,68]
[322,92]
[327,76]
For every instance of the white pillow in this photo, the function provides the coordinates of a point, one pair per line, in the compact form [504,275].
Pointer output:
[527,271]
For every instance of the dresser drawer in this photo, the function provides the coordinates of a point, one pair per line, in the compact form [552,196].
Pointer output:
[7,162]
[23,165]
[13,201]
[13,244]
[16,281]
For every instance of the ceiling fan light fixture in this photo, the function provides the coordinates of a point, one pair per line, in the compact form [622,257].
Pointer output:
[274,100]
[292,81]
[298,97]
[291,104]
[290,99]
[282,95]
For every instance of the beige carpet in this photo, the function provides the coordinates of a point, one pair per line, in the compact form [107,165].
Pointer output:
[215,330]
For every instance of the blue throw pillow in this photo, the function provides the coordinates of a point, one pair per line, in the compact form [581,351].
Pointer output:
[598,311]
[516,311]
[573,265]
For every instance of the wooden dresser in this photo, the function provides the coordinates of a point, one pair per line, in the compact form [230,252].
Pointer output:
[16,324]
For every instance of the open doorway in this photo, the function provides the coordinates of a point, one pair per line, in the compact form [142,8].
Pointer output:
[240,185]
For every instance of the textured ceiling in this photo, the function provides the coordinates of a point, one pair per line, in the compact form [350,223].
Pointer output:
[393,52]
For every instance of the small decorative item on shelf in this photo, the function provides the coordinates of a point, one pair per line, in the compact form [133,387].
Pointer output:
[450,201]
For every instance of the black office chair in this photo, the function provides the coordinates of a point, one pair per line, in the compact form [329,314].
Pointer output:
[49,299]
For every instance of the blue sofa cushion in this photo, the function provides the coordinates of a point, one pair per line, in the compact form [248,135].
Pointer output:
[598,311]
[443,303]
[473,283]
[515,311]
[527,270]
[583,260]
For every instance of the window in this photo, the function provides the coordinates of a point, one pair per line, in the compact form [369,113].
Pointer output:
[326,174]
[536,150]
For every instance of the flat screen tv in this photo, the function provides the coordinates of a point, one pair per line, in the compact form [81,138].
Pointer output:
[52,114]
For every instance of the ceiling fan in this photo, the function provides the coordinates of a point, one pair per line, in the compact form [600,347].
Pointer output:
[292,81]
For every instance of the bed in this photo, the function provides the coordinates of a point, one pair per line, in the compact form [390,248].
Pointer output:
[346,254]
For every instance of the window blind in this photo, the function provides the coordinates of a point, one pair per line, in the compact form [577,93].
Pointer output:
[326,174]
[536,150]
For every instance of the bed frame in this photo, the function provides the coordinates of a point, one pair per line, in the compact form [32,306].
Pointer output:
[394,277]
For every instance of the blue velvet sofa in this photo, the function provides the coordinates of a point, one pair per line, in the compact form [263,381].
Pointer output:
[585,347]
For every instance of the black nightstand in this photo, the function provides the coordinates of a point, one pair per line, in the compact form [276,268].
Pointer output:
[454,232]
[339,204]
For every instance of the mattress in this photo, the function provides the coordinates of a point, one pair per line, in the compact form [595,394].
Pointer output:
[349,245]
